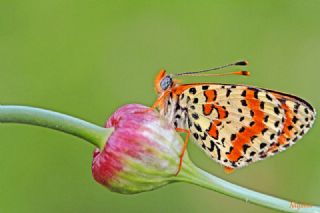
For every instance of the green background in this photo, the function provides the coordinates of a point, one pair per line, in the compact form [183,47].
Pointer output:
[87,58]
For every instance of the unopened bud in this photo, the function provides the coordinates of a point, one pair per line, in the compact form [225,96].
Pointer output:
[142,154]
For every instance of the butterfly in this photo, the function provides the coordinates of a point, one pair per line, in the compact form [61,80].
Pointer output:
[235,125]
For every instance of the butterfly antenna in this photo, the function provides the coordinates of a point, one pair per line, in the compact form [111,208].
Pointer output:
[241,72]
[238,63]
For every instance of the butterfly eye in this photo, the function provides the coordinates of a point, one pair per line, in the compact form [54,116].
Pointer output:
[166,82]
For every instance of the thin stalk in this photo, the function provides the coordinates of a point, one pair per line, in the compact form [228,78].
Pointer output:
[92,133]
[192,174]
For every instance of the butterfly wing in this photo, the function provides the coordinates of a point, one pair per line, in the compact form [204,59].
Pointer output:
[237,125]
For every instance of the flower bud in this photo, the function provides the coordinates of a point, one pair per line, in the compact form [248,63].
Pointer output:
[142,153]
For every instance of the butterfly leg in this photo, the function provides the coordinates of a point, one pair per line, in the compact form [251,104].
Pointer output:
[183,148]
[157,103]
[153,107]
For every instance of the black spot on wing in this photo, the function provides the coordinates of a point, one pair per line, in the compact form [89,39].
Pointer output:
[195,100]
[244,93]
[205,87]
[253,137]
[192,90]
[198,127]
[195,116]
[272,136]
[233,137]
[196,136]
[228,92]
[243,102]
[251,113]
[218,153]
[204,137]
[245,147]
[262,145]
[276,110]
[252,153]
[212,145]
[264,131]
[268,97]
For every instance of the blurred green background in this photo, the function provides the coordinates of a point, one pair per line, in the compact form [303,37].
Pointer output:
[87,58]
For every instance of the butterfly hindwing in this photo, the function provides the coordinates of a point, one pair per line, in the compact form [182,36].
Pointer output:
[237,125]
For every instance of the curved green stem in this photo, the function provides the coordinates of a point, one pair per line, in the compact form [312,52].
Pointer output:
[192,174]
[92,133]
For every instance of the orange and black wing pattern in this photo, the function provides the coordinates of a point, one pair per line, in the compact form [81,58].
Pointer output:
[237,125]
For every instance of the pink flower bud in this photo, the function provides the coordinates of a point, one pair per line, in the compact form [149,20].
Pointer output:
[141,154]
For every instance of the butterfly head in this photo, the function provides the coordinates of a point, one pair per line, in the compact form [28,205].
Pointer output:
[163,82]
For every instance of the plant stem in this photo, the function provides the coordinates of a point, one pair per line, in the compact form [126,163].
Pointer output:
[197,176]
[92,133]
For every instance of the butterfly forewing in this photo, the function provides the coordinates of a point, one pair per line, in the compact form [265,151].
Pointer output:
[237,125]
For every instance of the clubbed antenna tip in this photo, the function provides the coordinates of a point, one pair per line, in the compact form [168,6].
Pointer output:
[242,63]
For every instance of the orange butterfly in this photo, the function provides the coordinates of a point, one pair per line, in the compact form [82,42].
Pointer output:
[234,124]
